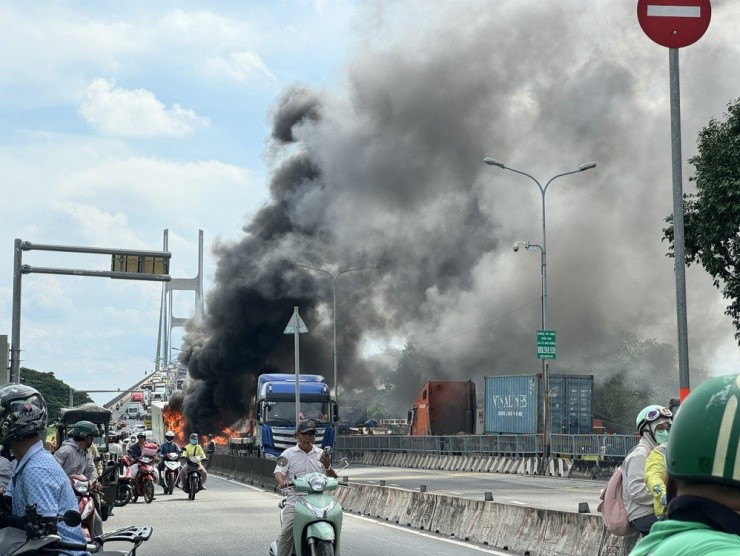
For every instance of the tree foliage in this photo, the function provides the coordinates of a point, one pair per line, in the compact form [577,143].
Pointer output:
[712,214]
[54,391]
[636,373]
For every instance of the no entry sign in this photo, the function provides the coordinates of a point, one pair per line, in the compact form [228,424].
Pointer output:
[674,23]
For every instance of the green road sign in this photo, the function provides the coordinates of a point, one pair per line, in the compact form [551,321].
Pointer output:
[546,344]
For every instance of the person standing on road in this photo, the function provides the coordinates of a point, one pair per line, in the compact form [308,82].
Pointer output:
[37,478]
[210,450]
[653,424]
[703,462]
[302,458]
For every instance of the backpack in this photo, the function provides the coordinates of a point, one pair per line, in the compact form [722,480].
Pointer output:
[612,508]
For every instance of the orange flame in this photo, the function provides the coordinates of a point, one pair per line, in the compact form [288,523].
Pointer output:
[174,422]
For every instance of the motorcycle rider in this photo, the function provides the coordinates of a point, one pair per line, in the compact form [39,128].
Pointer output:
[653,424]
[188,451]
[37,478]
[167,447]
[75,458]
[703,465]
[302,458]
[135,452]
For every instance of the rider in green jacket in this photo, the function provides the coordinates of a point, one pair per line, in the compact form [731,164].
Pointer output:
[703,462]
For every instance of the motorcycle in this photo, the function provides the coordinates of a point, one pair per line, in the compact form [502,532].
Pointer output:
[317,522]
[125,488]
[192,476]
[40,537]
[144,482]
[85,504]
[171,471]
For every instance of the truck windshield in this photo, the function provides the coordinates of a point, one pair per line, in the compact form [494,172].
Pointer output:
[284,412]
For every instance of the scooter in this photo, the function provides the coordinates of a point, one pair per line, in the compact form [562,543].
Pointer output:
[317,523]
[144,483]
[171,471]
[85,503]
[40,537]
[125,488]
[192,476]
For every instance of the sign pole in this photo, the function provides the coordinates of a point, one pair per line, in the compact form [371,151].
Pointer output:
[297,367]
[678,228]
[676,24]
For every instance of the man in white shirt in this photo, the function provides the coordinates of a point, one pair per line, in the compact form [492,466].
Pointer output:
[302,458]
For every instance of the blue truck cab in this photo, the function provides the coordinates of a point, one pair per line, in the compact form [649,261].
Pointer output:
[275,410]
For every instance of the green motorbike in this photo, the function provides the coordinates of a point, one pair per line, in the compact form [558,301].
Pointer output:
[317,523]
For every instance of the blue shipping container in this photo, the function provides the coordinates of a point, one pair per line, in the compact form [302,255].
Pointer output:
[510,406]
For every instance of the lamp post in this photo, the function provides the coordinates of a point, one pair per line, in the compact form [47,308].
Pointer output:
[543,267]
[334,278]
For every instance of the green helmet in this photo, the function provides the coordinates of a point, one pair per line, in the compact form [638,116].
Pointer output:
[703,445]
[81,429]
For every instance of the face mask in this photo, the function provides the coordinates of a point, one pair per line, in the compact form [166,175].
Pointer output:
[193,442]
[661,437]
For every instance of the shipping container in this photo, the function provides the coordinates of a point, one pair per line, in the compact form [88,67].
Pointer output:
[513,404]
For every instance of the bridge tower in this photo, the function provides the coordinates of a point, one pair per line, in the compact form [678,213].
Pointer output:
[167,321]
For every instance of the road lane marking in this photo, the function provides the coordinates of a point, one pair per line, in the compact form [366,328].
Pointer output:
[430,536]
[518,502]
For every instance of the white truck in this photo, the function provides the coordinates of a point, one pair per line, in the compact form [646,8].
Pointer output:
[134,410]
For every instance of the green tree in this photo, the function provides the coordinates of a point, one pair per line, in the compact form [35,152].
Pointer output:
[637,373]
[54,391]
[712,215]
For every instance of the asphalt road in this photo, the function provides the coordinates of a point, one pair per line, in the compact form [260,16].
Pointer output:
[231,518]
[552,493]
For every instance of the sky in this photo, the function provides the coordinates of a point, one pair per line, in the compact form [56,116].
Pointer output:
[349,135]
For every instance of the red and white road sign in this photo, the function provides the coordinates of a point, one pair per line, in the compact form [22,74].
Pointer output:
[674,23]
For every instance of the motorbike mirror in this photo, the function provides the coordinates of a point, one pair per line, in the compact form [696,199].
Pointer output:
[282,461]
[343,463]
[72,518]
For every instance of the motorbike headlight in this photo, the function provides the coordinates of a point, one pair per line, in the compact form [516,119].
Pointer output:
[317,483]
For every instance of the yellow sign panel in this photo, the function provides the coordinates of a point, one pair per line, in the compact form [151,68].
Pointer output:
[140,264]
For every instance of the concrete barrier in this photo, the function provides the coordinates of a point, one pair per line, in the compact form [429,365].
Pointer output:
[510,527]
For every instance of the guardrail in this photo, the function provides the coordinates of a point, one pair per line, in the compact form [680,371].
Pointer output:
[582,445]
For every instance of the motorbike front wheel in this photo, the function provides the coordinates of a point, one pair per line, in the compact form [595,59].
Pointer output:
[322,548]
[169,483]
[148,488]
[123,494]
[192,486]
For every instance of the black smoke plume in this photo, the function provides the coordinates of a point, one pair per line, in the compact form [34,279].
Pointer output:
[384,172]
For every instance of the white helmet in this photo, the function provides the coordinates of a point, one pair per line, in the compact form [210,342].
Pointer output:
[169,435]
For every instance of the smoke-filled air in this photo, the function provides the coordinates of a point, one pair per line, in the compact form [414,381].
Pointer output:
[381,170]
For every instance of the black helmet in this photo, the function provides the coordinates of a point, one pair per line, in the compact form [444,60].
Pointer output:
[22,413]
[82,429]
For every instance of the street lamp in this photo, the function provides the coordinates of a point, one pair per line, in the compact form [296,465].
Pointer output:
[543,267]
[334,278]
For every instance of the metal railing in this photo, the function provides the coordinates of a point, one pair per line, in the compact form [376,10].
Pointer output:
[580,445]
